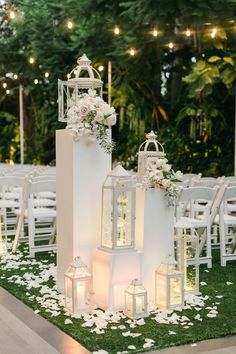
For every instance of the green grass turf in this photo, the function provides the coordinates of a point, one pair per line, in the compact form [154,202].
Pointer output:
[113,341]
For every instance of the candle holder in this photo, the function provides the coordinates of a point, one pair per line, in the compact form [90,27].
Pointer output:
[187,256]
[135,301]
[169,285]
[78,287]
[118,210]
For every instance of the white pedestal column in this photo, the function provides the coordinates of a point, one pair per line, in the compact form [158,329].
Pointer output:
[82,167]
[154,233]
[112,273]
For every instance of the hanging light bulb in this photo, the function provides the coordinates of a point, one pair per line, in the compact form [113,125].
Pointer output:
[4,85]
[171,45]
[31,60]
[46,74]
[213,33]
[7,92]
[36,81]
[15,76]
[70,24]
[12,14]
[132,52]
[155,32]
[100,68]
[116,30]
[188,33]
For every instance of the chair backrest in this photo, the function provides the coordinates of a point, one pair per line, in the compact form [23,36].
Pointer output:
[231,178]
[12,181]
[42,186]
[230,194]
[196,193]
[43,178]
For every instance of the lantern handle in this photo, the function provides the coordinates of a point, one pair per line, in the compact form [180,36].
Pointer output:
[151,139]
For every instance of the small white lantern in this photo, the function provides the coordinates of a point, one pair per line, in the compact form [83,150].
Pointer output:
[187,256]
[149,153]
[3,237]
[135,301]
[118,210]
[169,285]
[85,77]
[77,287]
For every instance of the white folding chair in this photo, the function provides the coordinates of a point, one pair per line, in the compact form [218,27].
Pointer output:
[200,200]
[35,214]
[226,221]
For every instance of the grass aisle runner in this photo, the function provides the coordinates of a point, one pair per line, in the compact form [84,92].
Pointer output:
[211,315]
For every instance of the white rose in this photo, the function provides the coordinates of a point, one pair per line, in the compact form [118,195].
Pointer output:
[166,167]
[159,174]
[159,163]
[165,183]
[92,92]
[99,117]
[111,120]
[179,175]
[98,101]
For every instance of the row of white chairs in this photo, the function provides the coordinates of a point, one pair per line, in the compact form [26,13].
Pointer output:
[204,209]
[28,201]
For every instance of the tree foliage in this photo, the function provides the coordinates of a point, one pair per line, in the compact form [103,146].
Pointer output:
[147,88]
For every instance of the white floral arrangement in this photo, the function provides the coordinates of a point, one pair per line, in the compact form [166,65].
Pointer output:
[161,175]
[92,117]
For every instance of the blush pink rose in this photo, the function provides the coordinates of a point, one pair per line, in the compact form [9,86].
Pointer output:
[83,111]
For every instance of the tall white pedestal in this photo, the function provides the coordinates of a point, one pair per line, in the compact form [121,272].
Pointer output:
[112,273]
[82,167]
[154,233]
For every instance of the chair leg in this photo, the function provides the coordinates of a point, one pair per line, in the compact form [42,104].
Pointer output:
[209,256]
[222,244]
[31,223]
[19,223]
[54,231]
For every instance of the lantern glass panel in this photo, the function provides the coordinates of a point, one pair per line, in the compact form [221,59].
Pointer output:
[176,291]
[107,218]
[80,296]
[161,290]
[124,221]
[68,293]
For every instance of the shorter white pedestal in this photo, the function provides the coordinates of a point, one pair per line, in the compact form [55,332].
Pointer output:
[112,273]
[154,234]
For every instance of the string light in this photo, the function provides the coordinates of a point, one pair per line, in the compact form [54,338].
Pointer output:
[70,24]
[132,52]
[155,33]
[31,60]
[15,76]
[46,74]
[171,45]
[4,85]
[100,68]
[36,81]
[188,33]
[213,33]
[12,14]
[7,92]
[116,30]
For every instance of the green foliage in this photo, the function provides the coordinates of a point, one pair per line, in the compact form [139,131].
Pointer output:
[147,90]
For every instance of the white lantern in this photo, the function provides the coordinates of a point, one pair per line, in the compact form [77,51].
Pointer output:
[149,153]
[135,301]
[85,77]
[118,210]
[187,256]
[169,285]
[77,287]
[3,237]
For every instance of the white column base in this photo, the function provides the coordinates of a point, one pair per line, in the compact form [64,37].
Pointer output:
[154,234]
[82,167]
[112,273]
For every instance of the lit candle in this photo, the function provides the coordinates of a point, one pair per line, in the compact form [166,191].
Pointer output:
[139,305]
[80,301]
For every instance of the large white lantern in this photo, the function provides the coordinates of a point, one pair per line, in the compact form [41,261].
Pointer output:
[78,287]
[187,256]
[80,79]
[118,210]
[169,285]
[135,301]
[149,152]
[3,237]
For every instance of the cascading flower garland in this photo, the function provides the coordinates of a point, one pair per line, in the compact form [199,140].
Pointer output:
[160,175]
[91,116]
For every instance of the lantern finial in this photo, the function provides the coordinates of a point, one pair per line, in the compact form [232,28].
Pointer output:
[151,136]
[84,60]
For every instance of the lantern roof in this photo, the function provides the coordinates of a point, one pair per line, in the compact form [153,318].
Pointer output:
[135,287]
[92,80]
[152,141]
[168,265]
[119,171]
[78,263]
